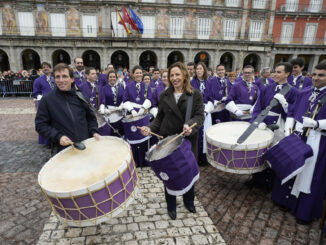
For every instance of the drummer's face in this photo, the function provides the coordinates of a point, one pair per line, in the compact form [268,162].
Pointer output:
[138,75]
[63,80]
[165,78]
[147,80]
[319,78]
[176,78]
[112,78]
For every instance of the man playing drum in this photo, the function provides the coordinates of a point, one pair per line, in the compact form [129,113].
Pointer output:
[62,117]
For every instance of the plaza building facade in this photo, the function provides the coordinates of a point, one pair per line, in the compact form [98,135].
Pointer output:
[232,32]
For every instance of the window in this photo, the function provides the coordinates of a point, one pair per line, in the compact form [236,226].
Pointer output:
[287,32]
[176,27]
[230,27]
[149,26]
[205,2]
[232,3]
[259,4]
[315,6]
[256,30]
[203,28]
[118,30]
[58,24]
[26,23]
[177,1]
[291,5]
[89,26]
[310,33]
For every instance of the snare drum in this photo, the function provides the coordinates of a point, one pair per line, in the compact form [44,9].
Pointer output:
[88,187]
[174,164]
[246,158]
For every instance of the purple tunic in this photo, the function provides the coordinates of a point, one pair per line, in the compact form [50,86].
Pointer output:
[262,82]
[79,78]
[204,90]
[103,79]
[130,93]
[154,83]
[307,206]
[307,82]
[156,94]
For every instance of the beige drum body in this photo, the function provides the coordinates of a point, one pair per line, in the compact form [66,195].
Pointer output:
[246,158]
[88,187]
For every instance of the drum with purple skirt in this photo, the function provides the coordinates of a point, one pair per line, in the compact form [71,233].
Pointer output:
[174,164]
[246,158]
[132,134]
[88,187]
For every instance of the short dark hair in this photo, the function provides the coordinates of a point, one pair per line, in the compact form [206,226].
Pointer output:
[287,66]
[156,69]
[147,75]
[205,75]
[112,71]
[298,61]
[249,66]
[220,65]
[191,64]
[321,65]
[135,68]
[44,63]
[88,70]
[63,66]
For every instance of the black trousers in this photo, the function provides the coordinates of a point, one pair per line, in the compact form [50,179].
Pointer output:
[188,199]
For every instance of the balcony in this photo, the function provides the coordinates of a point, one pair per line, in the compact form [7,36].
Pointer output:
[299,41]
[301,9]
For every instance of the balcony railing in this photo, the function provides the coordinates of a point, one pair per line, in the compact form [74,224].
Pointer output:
[302,8]
[301,41]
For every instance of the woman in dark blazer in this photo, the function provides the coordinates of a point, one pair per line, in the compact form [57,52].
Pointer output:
[170,120]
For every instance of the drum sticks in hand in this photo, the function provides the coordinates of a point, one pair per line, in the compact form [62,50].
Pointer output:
[159,136]
[179,135]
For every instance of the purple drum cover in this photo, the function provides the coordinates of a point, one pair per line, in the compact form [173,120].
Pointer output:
[104,200]
[241,159]
[178,169]
[131,130]
[288,156]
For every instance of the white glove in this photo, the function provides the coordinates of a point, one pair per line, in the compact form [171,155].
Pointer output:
[262,126]
[223,99]
[238,113]
[309,123]
[120,108]
[216,102]
[39,97]
[102,109]
[134,113]
[154,111]
[288,126]
[147,104]
[128,106]
[209,107]
[141,111]
[282,101]
[107,111]
[231,107]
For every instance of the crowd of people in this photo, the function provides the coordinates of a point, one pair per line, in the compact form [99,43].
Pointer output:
[156,101]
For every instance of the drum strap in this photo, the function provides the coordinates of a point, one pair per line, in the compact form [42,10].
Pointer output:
[301,82]
[146,90]
[189,107]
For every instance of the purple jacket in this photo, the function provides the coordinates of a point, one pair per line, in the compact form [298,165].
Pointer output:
[196,84]
[155,83]
[42,87]
[130,93]
[107,97]
[156,94]
[90,92]
[79,78]
[240,94]
[307,82]
[219,89]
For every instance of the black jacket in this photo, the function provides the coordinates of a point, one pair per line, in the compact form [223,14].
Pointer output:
[171,116]
[63,113]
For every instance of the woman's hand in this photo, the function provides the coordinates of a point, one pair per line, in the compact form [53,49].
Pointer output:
[145,130]
[187,130]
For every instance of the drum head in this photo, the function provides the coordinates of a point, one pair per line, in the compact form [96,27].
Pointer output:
[115,116]
[133,119]
[157,152]
[72,170]
[225,135]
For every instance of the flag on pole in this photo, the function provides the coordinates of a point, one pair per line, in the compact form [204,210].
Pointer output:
[127,19]
[122,22]
[112,28]
[137,20]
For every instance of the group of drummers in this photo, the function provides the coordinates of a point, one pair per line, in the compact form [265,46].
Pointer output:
[135,106]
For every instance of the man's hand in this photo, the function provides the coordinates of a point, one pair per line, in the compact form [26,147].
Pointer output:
[187,130]
[65,141]
[145,130]
[96,136]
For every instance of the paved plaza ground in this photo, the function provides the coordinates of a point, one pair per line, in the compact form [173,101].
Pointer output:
[228,212]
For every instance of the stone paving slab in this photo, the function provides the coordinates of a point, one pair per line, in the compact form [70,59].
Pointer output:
[144,222]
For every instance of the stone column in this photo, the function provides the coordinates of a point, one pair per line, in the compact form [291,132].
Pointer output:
[133,60]
[106,59]
[15,61]
[313,62]
[215,60]
[271,60]
[163,60]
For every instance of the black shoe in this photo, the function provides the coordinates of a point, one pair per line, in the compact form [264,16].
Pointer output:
[191,208]
[302,222]
[172,214]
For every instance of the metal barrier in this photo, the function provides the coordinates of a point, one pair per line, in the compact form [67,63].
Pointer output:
[16,87]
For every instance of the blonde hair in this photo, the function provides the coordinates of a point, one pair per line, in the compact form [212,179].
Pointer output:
[186,82]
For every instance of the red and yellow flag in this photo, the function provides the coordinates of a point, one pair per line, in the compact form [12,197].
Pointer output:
[122,22]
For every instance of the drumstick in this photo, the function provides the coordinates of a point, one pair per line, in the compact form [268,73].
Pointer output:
[313,117]
[131,116]
[159,136]
[176,137]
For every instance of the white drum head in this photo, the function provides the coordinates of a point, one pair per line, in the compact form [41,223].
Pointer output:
[115,117]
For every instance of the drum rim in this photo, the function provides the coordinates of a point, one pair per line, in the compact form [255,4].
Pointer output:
[129,120]
[93,187]
[239,147]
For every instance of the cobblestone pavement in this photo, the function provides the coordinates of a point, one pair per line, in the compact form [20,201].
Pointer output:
[144,222]
[242,215]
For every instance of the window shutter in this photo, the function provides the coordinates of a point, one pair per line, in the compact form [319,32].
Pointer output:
[26,23]
[89,26]
[58,25]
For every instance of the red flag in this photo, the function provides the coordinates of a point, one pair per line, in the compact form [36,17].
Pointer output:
[127,19]
[122,22]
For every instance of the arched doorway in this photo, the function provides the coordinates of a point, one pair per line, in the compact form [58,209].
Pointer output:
[281,58]
[322,58]
[60,56]
[175,56]
[253,60]
[203,57]
[31,60]
[92,59]
[227,60]
[306,61]
[4,61]
[120,59]
[147,59]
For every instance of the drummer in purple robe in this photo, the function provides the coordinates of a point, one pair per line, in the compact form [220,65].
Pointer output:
[171,118]
[103,78]
[111,100]
[243,96]
[201,83]
[156,80]
[157,92]
[79,74]
[297,79]
[219,89]
[92,90]
[264,78]
[136,101]
[42,86]
[304,194]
